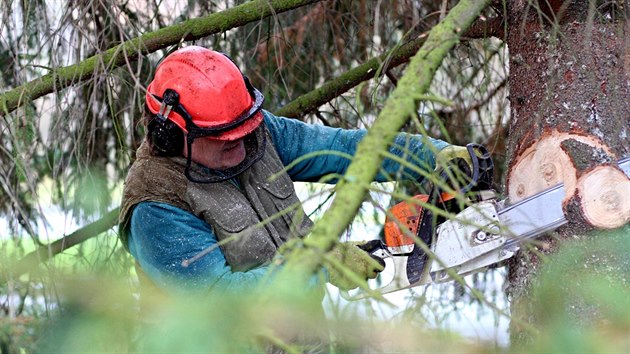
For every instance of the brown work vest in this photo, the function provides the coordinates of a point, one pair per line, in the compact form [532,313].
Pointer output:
[260,212]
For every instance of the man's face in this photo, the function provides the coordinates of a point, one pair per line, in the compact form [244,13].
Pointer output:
[217,154]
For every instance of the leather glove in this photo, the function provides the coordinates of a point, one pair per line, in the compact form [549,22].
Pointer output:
[352,256]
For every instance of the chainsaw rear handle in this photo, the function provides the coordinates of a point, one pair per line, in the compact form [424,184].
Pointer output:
[478,172]
[482,167]
[401,279]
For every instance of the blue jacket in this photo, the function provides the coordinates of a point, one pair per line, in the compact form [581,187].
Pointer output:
[162,237]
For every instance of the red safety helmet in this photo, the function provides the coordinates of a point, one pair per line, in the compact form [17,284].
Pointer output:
[205,94]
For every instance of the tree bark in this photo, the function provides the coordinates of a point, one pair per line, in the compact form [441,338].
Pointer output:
[569,92]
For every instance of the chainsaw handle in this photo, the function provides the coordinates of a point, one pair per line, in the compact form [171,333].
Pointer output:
[479,170]
[410,269]
[377,250]
[482,168]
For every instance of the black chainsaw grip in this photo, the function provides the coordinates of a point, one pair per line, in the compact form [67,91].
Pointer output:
[482,168]
[479,171]
[481,174]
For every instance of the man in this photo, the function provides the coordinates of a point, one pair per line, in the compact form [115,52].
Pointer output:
[208,201]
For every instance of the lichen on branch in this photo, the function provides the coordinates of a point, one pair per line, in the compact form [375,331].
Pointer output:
[397,110]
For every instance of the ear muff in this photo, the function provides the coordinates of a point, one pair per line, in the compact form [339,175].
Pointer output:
[167,139]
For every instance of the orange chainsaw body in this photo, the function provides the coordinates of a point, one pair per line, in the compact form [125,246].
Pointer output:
[403,220]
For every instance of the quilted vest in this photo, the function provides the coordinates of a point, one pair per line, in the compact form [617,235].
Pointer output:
[254,216]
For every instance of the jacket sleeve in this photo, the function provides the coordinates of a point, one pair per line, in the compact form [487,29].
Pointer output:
[162,238]
[313,151]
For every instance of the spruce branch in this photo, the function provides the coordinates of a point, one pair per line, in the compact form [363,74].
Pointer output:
[398,109]
[60,78]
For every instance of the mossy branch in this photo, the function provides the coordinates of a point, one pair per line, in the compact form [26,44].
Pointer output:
[209,25]
[402,103]
[351,78]
[63,77]
[368,70]
[300,105]
[44,253]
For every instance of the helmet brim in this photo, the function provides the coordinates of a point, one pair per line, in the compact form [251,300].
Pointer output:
[242,130]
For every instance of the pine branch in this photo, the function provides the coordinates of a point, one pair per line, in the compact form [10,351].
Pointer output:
[353,77]
[44,253]
[397,110]
[295,108]
[63,77]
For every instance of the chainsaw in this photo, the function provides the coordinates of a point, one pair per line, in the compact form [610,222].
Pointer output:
[428,249]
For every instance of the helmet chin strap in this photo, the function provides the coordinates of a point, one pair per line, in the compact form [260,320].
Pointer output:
[255,144]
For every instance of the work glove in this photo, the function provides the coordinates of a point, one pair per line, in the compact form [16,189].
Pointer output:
[352,256]
[454,166]
[450,153]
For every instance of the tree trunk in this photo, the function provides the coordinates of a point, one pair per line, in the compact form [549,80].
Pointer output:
[569,93]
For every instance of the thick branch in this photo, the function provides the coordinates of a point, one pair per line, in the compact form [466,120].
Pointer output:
[399,107]
[295,108]
[601,195]
[353,77]
[114,57]
[44,253]
[545,164]
[604,195]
